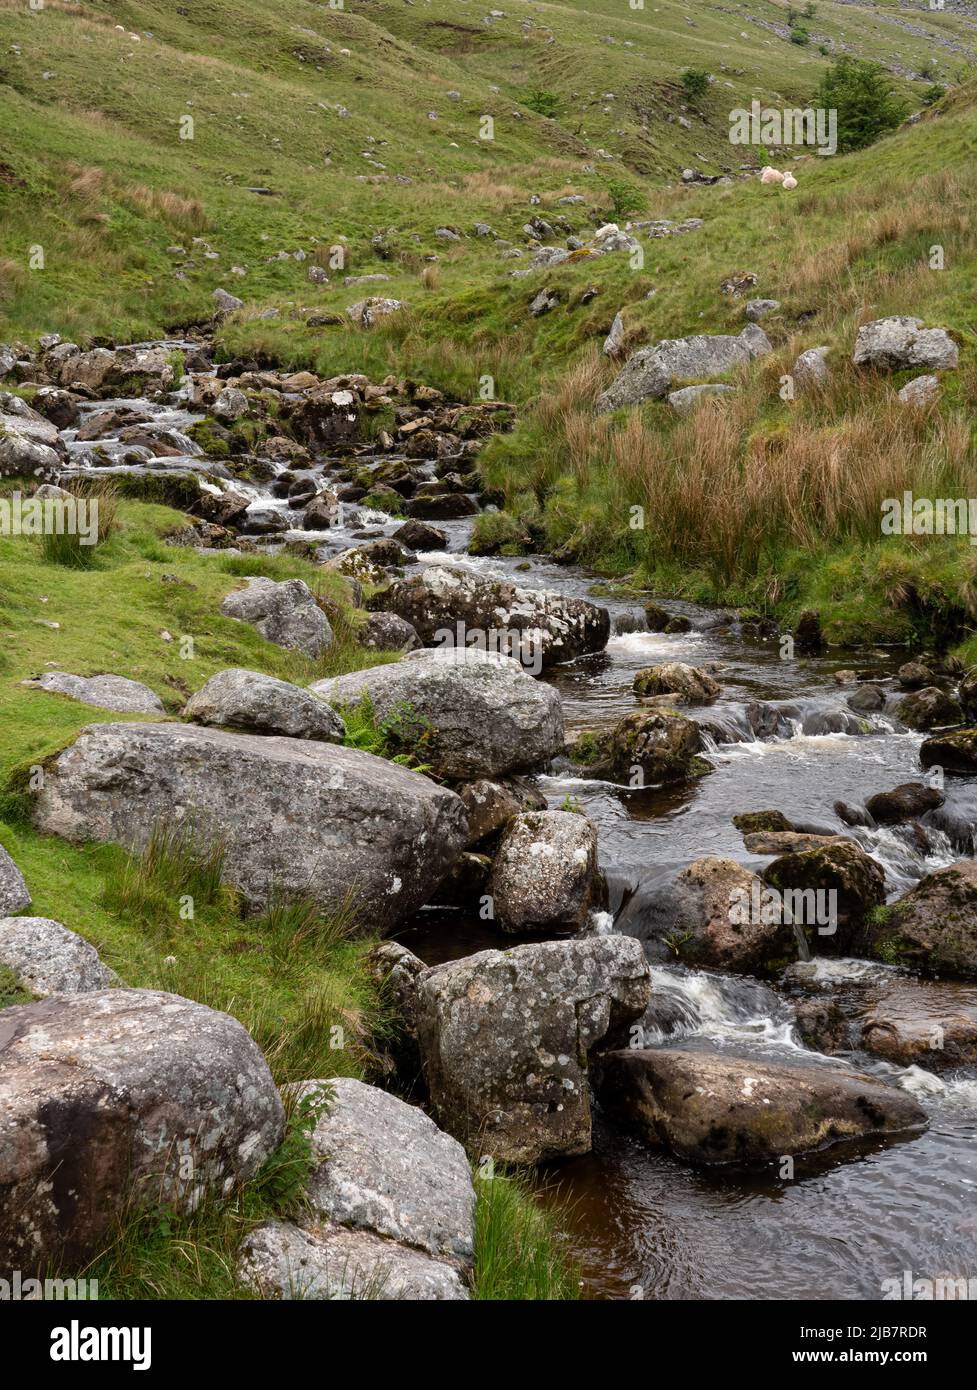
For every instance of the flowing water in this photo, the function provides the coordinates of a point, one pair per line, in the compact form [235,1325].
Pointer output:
[641,1223]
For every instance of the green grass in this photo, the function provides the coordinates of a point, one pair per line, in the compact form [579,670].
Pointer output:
[94,170]
[518,1252]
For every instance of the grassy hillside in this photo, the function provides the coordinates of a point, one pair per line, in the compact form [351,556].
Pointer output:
[331,110]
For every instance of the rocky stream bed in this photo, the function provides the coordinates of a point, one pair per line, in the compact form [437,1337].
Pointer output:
[665,1202]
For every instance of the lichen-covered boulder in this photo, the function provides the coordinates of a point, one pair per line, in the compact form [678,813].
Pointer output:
[279,1260]
[387,632]
[46,958]
[108,692]
[14,895]
[444,599]
[384,1166]
[466,713]
[505,1036]
[119,1098]
[260,704]
[285,613]
[545,875]
[294,816]
[648,374]
[492,805]
[901,341]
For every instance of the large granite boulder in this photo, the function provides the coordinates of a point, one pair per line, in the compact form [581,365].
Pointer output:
[650,372]
[285,613]
[467,713]
[295,816]
[902,341]
[29,443]
[545,875]
[46,958]
[115,1099]
[505,1035]
[260,704]
[709,1107]
[384,1166]
[452,605]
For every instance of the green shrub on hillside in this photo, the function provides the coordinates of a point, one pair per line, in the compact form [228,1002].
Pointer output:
[864,99]
[625,197]
[543,103]
[695,81]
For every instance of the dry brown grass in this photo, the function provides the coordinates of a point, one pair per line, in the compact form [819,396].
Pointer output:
[86,181]
[12,278]
[430,277]
[186,213]
[812,483]
[718,492]
[576,391]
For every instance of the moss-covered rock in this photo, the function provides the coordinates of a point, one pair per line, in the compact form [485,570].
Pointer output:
[933,928]
[649,747]
[929,708]
[954,752]
[694,686]
[761,822]
[853,883]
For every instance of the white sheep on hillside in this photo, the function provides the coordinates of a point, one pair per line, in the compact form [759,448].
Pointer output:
[768,175]
[789,181]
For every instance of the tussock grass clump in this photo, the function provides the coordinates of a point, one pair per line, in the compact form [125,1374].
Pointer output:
[176,209]
[69,545]
[518,1252]
[179,862]
[290,925]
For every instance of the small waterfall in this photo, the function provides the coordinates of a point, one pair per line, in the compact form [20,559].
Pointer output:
[803,950]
